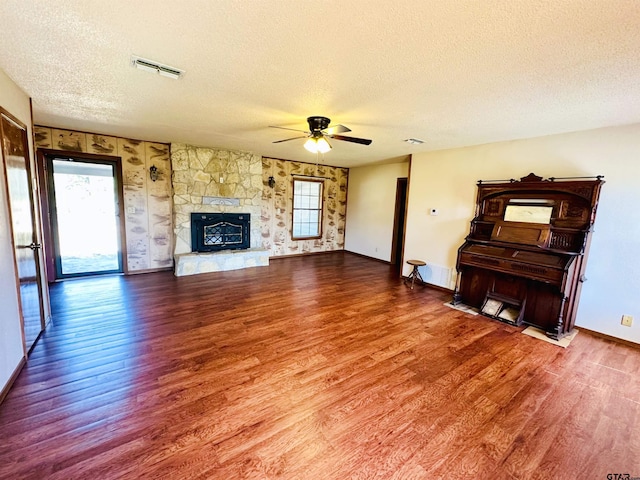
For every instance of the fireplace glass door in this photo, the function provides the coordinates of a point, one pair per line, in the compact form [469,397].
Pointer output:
[211,232]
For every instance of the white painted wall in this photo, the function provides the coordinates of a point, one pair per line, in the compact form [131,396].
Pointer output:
[446,180]
[15,101]
[371,202]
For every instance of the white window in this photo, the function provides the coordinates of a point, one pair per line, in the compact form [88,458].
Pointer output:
[307,209]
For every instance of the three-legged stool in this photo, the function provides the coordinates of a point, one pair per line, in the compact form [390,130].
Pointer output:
[415,273]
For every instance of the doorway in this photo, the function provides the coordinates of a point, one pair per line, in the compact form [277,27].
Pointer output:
[85,212]
[397,246]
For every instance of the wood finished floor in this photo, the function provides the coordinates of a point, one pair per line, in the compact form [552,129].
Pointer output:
[320,367]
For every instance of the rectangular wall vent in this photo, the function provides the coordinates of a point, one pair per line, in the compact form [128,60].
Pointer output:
[159,68]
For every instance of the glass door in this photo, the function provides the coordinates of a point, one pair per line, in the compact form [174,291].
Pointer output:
[86,223]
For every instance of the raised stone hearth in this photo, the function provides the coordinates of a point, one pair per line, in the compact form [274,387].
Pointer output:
[194,263]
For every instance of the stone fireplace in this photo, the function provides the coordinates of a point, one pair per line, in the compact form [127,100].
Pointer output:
[215,181]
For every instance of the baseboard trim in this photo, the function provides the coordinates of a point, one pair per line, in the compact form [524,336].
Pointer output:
[305,254]
[12,379]
[386,262]
[149,270]
[434,287]
[604,336]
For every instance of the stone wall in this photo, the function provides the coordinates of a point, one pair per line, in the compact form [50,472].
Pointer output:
[277,207]
[147,204]
[212,180]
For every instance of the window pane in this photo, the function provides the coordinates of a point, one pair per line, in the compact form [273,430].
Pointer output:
[307,208]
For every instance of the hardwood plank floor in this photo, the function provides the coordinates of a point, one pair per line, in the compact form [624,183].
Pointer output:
[319,367]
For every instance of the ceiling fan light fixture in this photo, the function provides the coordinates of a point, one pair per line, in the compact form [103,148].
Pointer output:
[311,145]
[323,145]
[317,144]
[319,132]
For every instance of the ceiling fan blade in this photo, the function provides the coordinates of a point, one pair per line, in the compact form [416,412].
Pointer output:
[362,141]
[289,139]
[292,129]
[336,129]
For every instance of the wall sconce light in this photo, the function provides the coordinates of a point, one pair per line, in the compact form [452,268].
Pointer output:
[271,182]
[153,173]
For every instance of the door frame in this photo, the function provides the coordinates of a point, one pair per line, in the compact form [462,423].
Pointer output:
[45,178]
[35,231]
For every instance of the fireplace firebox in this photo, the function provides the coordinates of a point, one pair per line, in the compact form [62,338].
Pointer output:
[211,232]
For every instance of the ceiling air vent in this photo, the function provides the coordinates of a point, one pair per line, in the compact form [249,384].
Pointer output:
[159,68]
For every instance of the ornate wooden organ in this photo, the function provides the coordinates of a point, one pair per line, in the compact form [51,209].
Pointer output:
[525,256]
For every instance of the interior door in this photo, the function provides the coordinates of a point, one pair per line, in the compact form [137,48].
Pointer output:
[19,188]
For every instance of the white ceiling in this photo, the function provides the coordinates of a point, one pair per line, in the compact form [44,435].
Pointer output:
[450,72]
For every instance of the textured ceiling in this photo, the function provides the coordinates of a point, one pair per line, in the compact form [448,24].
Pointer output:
[450,72]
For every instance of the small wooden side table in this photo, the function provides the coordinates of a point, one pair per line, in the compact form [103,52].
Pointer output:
[415,273]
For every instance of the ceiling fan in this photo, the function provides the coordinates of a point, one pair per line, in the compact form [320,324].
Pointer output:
[319,131]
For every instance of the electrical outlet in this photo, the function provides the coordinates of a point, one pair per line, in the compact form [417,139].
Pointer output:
[627,320]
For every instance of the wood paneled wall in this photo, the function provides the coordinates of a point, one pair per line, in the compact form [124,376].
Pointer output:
[147,204]
[277,207]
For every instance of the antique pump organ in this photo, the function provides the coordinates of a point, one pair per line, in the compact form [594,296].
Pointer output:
[525,256]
